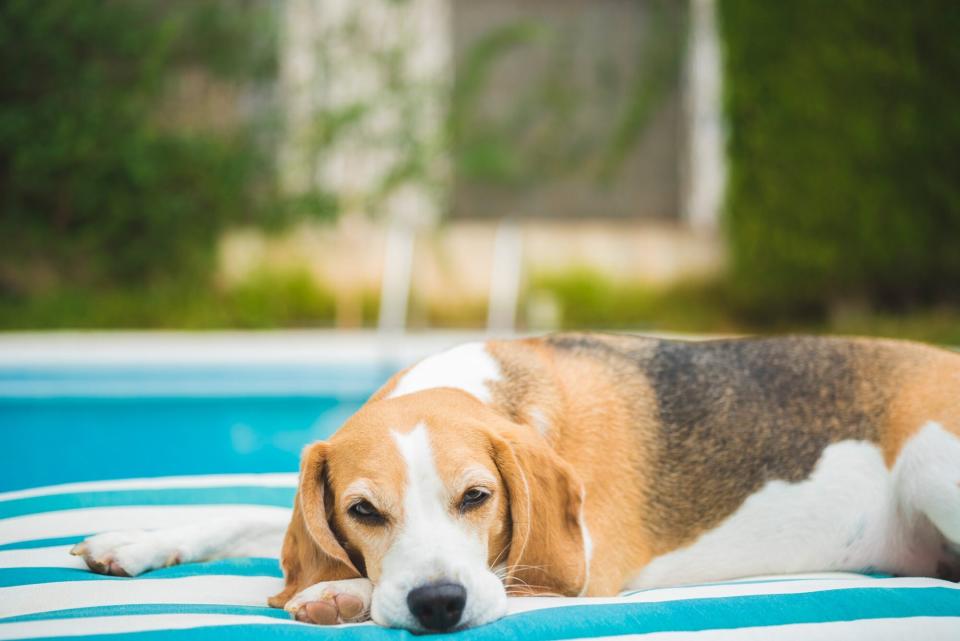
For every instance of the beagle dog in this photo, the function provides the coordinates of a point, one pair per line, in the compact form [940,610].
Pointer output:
[586,464]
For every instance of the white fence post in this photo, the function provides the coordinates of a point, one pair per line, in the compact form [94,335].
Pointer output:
[705,158]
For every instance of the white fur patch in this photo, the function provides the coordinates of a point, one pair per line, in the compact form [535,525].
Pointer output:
[432,546]
[928,478]
[587,542]
[848,515]
[468,367]
[539,420]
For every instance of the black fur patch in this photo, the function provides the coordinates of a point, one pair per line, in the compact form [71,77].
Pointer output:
[734,414]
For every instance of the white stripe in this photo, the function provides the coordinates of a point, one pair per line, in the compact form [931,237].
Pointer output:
[103,519]
[804,576]
[661,595]
[913,628]
[130,623]
[57,556]
[762,578]
[207,590]
[163,482]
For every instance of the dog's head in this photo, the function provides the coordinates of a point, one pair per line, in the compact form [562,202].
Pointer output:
[444,505]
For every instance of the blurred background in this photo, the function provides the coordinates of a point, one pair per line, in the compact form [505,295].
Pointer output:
[655,165]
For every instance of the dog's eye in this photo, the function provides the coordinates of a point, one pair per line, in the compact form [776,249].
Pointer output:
[473,498]
[365,512]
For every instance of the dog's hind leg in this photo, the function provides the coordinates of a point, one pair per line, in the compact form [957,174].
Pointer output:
[928,478]
[133,552]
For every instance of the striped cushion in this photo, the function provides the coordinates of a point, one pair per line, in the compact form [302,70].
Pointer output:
[44,592]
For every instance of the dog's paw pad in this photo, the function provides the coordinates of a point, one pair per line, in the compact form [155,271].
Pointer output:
[332,602]
[105,565]
[319,612]
[349,606]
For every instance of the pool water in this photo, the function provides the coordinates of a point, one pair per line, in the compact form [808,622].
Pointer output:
[66,424]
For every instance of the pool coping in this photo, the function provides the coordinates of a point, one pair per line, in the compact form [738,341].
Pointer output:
[118,348]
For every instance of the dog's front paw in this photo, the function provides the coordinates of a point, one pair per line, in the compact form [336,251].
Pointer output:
[331,602]
[125,553]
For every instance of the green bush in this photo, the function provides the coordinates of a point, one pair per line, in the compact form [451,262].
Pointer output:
[587,299]
[98,189]
[269,299]
[844,152]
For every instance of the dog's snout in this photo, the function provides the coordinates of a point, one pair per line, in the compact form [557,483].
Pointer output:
[437,606]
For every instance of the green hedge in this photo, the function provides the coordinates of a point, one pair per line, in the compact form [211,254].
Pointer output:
[98,189]
[844,151]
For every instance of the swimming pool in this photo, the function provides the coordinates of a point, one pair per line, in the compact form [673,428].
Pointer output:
[109,407]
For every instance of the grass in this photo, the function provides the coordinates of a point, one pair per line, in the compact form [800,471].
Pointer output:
[264,300]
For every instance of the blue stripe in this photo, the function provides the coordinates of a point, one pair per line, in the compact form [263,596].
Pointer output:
[10,577]
[252,495]
[687,615]
[149,608]
[43,543]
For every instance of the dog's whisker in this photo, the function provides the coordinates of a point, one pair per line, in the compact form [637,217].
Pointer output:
[524,584]
[532,592]
[499,556]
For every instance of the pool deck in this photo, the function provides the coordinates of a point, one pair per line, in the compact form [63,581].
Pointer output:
[222,348]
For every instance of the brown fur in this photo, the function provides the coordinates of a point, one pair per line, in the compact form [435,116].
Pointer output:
[665,438]
[311,553]
[925,387]
[546,546]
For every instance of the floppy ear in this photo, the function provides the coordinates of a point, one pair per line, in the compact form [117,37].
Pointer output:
[311,552]
[546,548]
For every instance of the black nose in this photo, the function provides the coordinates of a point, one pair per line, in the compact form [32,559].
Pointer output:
[437,606]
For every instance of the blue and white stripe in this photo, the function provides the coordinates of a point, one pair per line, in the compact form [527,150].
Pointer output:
[45,592]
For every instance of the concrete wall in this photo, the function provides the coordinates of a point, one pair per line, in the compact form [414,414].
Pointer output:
[583,95]
[652,221]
